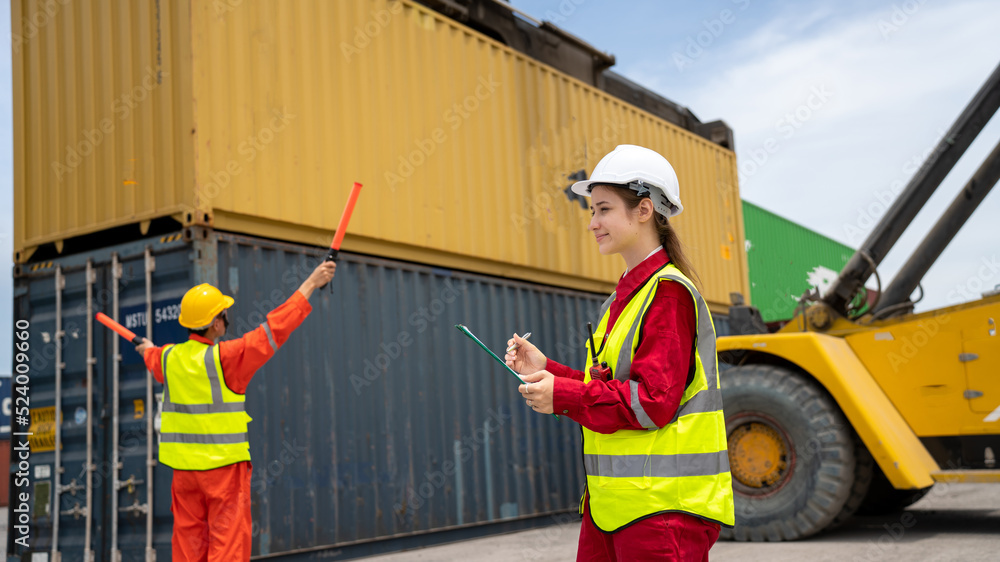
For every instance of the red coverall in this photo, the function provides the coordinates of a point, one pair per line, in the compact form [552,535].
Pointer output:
[662,363]
[212,507]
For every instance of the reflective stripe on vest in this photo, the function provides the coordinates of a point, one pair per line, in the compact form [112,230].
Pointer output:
[221,439]
[661,466]
[204,424]
[682,466]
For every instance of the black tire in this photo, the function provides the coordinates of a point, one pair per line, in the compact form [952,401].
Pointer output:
[864,472]
[883,499]
[792,454]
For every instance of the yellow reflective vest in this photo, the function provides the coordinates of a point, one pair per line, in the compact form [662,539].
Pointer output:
[680,467]
[203,424]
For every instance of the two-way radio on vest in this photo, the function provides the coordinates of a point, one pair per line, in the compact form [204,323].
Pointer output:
[602,372]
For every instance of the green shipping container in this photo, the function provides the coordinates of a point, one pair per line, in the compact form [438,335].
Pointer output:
[785,259]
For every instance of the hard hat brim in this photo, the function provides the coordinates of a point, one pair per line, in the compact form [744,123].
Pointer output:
[583,187]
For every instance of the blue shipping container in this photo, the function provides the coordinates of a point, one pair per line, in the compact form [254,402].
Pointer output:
[377,426]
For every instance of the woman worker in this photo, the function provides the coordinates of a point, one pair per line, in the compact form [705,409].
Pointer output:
[654,434]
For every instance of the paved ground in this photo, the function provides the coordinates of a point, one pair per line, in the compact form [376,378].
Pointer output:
[953,522]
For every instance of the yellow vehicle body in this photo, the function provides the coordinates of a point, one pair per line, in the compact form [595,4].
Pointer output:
[858,405]
[922,375]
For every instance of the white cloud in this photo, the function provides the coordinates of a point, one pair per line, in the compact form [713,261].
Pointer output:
[892,98]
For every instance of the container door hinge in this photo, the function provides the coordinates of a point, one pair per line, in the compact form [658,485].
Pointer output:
[131,483]
[77,511]
[136,508]
[72,487]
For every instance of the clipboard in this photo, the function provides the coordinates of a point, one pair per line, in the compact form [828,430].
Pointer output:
[466,331]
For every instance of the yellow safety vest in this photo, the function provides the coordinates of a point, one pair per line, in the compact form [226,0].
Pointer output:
[204,424]
[680,467]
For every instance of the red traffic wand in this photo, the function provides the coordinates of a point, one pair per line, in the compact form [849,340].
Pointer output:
[121,330]
[345,218]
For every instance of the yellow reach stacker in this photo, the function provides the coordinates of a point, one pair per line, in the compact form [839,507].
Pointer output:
[861,408]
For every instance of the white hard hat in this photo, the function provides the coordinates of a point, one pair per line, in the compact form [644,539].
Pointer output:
[641,170]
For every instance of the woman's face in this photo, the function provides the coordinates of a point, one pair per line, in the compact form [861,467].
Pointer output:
[613,225]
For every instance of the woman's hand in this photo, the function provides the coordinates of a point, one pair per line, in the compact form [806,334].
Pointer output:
[538,392]
[526,358]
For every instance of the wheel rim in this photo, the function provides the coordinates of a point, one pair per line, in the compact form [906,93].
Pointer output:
[761,457]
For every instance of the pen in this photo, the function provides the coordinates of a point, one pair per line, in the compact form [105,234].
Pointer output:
[513,347]
[466,331]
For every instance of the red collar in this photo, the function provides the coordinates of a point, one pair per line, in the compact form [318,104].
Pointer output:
[629,284]
[201,339]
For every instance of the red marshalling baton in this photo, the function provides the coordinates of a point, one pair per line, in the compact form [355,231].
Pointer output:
[121,330]
[345,218]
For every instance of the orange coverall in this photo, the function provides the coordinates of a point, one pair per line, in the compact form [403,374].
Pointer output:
[212,507]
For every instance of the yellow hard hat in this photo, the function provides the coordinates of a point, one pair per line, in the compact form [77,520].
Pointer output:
[201,305]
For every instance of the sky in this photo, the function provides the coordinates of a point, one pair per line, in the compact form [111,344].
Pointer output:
[833,105]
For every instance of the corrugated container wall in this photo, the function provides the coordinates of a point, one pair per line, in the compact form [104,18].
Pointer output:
[103,126]
[377,422]
[256,117]
[786,260]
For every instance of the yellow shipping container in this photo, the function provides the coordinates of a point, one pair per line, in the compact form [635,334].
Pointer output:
[256,117]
